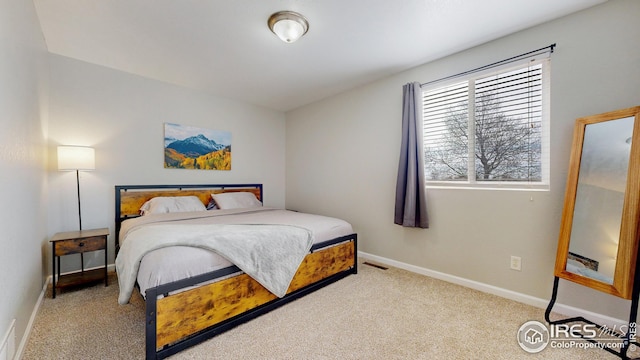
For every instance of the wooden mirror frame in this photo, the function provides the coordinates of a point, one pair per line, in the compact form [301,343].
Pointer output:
[625,267]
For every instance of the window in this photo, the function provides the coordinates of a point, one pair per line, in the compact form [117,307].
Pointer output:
[489,130]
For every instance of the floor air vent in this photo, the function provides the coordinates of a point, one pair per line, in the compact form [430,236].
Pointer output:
[375,265]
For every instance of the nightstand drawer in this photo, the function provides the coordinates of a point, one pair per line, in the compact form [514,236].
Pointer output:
[75,246]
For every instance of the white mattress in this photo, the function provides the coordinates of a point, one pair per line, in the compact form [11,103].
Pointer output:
[169,264]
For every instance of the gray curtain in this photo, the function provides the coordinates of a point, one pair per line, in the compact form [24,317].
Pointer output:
[411,196]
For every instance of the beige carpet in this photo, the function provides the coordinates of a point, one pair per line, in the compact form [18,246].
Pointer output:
[377,314]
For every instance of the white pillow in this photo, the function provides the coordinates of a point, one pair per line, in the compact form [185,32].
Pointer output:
[170,204]
[236,200]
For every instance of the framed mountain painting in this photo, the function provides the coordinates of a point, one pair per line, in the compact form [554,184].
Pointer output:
[187,147]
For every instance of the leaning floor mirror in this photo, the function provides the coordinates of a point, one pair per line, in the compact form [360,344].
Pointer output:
[598,241]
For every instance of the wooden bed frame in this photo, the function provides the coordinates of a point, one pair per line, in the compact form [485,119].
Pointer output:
[176,320]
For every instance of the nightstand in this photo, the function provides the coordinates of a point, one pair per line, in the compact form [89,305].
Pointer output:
[78,242]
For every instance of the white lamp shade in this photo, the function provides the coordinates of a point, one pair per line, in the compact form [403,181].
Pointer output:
[76,158]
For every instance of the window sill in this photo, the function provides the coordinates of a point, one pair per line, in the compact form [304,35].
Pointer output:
[487,186]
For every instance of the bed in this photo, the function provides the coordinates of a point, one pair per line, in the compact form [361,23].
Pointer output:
[192,293]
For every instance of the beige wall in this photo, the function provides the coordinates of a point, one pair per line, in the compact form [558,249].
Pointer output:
[342,156]
[122,116]
[23,108]
[48,100]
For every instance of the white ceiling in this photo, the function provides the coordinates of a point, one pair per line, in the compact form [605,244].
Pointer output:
[225,48]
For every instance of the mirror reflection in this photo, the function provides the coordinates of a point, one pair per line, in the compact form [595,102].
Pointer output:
[599,200]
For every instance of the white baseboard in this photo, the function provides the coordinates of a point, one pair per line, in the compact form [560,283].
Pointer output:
[490,289]
[8,342]
[562,309]
[32,319]
[34,313]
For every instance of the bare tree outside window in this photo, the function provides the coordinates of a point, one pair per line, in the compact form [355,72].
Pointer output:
[507,147]
[447,157]
[506,130]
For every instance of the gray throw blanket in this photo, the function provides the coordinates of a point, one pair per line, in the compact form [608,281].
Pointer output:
[270,254]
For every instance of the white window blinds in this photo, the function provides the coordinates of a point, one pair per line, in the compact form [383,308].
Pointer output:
[490,127]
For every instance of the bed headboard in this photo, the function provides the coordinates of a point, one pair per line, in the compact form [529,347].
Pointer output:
[129,198]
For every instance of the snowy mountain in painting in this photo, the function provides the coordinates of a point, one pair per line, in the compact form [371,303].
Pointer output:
[195,146]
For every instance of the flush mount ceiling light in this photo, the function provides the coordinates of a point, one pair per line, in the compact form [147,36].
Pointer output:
[288,25]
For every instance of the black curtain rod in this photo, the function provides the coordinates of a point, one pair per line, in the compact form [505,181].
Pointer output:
[543,50]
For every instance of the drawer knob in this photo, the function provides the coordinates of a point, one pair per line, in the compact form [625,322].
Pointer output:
[81,244]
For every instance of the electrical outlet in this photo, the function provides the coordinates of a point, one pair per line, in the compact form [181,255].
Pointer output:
[516,263]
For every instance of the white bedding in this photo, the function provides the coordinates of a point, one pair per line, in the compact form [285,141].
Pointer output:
[173,263]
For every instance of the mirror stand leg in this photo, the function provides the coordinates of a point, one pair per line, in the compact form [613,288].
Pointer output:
[552,302]
[629,337]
